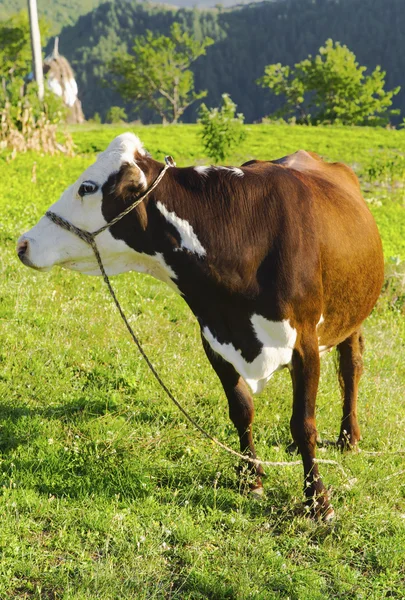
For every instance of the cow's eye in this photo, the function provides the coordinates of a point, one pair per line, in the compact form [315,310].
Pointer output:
[88,187]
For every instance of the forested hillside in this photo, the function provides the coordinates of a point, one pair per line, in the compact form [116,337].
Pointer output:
[247,39]
[58,13]
[65,12]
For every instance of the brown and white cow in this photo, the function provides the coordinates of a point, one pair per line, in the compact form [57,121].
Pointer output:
[279,261]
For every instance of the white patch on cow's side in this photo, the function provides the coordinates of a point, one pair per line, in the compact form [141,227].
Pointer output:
[321,320]
[189,240]
[202,170]
[232,170]
[278,339]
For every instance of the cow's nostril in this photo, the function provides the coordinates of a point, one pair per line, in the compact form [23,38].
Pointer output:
[22,248]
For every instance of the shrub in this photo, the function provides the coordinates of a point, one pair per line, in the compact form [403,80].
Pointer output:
[95,118]
[116,114]
[222,129]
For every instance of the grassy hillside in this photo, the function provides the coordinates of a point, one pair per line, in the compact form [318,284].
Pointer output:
[106,492]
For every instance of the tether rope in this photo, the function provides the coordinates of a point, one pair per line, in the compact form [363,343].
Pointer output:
[89,238]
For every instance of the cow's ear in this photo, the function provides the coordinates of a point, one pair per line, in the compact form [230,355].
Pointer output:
[131,182]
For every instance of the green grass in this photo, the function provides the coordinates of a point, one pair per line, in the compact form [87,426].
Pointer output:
[106,493]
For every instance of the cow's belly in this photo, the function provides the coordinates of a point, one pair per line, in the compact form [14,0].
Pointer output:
[278,340]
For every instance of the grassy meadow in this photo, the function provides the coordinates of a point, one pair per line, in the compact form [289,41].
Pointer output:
[105,491]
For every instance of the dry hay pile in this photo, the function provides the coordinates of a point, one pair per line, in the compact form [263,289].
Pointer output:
[27,133]
[61,81]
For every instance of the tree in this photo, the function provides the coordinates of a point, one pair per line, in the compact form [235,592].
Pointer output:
[157,74]
[222,130]
[15,45]
[331,88]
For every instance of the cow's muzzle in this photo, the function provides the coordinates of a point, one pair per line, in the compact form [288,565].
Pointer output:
[22,251]
[23,248]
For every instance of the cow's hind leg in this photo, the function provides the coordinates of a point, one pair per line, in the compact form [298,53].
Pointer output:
[305,377]
[241,410]
[350,370]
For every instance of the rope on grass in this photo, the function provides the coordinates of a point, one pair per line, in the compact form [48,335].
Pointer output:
[381,452]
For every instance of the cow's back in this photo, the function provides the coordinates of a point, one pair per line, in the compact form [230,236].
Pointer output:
[344,235]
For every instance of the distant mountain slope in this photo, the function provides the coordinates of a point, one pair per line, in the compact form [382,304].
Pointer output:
[90,43]
[61,13]
[247,39]
[58,12]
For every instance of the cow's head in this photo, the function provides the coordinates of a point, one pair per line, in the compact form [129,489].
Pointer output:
[102,192]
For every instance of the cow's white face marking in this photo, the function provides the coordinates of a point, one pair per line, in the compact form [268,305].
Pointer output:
[51,245]
[278,339]
[203,170]
[189,240]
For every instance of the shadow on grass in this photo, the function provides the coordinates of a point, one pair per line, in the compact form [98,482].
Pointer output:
[80,465]
[22,424]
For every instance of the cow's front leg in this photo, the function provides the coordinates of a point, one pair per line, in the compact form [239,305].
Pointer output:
[241,410]
[305,377]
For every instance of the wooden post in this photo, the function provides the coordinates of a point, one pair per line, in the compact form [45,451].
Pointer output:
[36,47]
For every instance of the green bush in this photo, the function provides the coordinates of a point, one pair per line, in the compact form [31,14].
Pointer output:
[116,114]
[222,129]
[95,118]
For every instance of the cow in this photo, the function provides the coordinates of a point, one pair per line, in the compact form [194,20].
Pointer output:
[280,261]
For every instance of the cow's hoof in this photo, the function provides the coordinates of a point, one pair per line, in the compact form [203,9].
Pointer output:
[326,514]
[292,448]
[321,509]
[348,440]
[318,505]
[257,493]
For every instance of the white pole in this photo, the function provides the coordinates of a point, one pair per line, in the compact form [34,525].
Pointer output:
[36,47]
